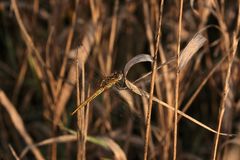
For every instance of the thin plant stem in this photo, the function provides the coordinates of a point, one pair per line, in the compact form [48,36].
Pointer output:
[154,72]
[231,56]
[177,83]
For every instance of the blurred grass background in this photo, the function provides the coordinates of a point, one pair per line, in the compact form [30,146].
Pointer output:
[40,42]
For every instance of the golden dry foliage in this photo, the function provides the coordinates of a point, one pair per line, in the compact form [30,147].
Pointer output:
[150,79]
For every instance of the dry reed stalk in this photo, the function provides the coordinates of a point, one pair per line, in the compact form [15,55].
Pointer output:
[84,51]
[29,43]
[222,108]
[35,60]
[35,7]
[154,73]
[177,81]
[148,29]
[108,64]
[112,37]
[37,64]
[161,119]
[169,98]
[81,118]
[96,10]
[79,156]
[86,122]
[149,35]
[59,85]
[67,48]
[19,124]
[219,14]
[157,11]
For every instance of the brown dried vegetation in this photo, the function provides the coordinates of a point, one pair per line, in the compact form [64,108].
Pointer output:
[177,95]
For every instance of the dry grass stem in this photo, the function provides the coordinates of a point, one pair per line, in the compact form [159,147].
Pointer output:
[226,90]
[14,153]
[18,123]
[176,104]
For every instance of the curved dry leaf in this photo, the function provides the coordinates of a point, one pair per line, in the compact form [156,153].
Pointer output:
[118,152]
[235,141]
[137,59]
[233,149]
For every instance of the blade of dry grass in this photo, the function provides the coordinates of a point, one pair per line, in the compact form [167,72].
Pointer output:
[18,123]
[20,78]
[105,142]
[13,152]
[59,139]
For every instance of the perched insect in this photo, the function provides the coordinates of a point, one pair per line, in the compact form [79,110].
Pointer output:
[107,83]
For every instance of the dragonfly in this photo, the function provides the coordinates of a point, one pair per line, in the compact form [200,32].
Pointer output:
[107,83]
[112,80]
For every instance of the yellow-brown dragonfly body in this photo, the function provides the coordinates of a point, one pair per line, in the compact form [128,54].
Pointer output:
[106,84]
